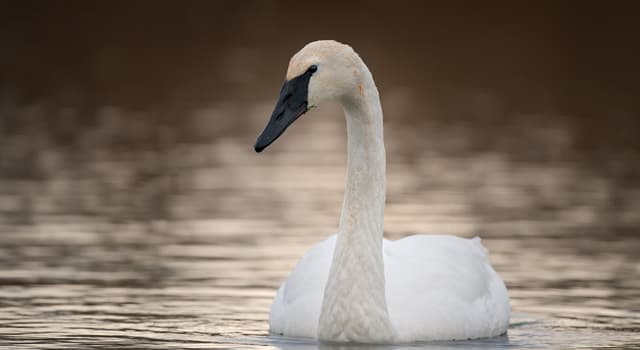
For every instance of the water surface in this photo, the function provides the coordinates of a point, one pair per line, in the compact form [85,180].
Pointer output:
[182,243]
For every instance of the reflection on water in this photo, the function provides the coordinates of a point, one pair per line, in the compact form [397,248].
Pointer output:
[134,213]
[134,236]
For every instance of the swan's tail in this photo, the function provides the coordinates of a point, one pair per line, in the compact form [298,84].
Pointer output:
[478,243]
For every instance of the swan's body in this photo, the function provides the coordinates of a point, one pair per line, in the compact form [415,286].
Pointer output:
[437,287]
[355,287]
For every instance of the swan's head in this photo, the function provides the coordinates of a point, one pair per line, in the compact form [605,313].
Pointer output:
[322,71]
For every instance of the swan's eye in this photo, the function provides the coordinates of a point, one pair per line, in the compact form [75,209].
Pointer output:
[313,68]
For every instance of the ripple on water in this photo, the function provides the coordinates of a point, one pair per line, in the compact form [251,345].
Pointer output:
[191,256]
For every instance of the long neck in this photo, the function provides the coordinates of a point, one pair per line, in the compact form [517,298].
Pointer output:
[362,214]
[354,305]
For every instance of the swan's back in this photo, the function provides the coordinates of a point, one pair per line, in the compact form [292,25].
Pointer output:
[443,287]
[437,287]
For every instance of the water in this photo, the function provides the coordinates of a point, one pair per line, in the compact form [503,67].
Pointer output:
[176,243]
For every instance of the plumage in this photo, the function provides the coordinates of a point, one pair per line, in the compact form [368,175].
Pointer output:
[356,286]
[438,288]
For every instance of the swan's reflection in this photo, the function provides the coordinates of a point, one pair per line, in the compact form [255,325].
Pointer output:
[296,344]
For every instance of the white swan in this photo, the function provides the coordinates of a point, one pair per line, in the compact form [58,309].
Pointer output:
[356,286]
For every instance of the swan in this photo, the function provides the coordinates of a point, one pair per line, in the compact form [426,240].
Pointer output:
[356,286]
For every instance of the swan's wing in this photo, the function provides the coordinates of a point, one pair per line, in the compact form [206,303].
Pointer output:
[296,308]
[437,287]
[443,287]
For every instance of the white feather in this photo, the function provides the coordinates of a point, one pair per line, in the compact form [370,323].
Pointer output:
[437,288]
[357,287]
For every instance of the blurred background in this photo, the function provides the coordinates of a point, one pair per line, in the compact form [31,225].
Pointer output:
[133,210]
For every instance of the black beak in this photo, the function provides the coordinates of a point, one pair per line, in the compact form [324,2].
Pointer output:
[292,103]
